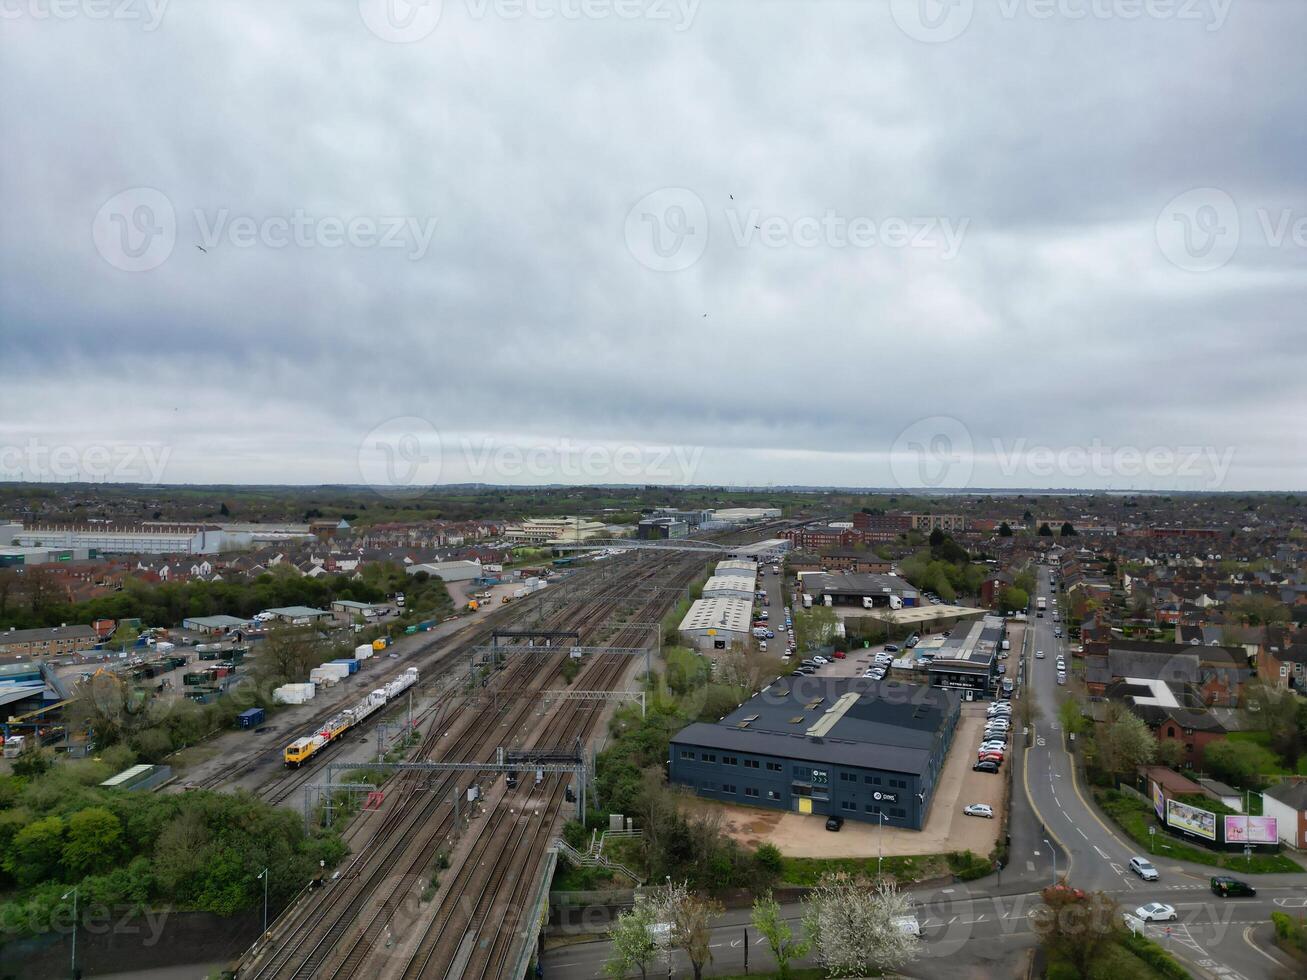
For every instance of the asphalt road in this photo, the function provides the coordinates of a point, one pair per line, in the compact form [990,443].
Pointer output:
[1210,934]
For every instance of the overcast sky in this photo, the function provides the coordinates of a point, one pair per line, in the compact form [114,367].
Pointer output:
[1033,243]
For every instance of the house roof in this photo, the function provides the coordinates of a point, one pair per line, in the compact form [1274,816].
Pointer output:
[1290,794]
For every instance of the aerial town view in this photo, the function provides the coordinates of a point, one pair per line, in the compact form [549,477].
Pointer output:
[653,488]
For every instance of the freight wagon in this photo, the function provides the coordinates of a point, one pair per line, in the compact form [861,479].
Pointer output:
[303,749]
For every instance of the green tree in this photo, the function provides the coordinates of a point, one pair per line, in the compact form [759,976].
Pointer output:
[1124,742]
[1010,597]
[1075,928]
[32,761]
[1171,753]
[778,935]
[632,941]
[1240,763]
[93,841]
[1071,716]
[1067,530]
[35,852]
[1004,530]
[1045,531]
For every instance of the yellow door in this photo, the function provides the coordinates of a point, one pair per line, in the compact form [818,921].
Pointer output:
[805,804]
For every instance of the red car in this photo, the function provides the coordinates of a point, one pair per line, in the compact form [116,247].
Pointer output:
[990,757]
[839,654]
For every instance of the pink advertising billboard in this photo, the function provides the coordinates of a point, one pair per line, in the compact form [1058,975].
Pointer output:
[1251,830]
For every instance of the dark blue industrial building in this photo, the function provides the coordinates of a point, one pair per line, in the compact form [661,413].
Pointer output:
[849,747]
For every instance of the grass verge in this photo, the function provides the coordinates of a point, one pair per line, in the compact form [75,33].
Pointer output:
[1135,816]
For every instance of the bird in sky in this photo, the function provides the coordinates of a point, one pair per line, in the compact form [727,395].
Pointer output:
[202,249]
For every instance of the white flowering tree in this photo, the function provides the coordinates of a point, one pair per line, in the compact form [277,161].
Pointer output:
[634,943]
[684,921]
[855,926]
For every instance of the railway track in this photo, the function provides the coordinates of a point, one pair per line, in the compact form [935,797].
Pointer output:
[340,933]
[434,659]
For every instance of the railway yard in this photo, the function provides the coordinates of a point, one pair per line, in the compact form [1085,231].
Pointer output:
[437,884]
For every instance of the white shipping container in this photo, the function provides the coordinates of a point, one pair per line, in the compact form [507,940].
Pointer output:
[363,651]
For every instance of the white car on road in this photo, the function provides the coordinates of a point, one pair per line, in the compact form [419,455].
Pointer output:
[1143,868]
[1156,912]
[979,810]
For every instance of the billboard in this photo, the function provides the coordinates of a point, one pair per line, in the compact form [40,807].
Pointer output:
[1159,801]
[1191,819]
[1251,830]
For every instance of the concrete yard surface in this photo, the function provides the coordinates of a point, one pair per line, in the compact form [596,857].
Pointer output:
[947,827]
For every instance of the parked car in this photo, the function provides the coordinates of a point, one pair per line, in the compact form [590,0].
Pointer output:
[1144,868]
[1156,912]
[989,767]
[990,757]
[1061,678]
[838,655]
[891,648]
[834,823]
[979,810]
[1228,887]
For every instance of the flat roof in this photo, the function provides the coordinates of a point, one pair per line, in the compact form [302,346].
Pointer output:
[724,613]
[852,721]
[215,621]
[298,611]
[736,583]
[127,775]
[728,565]
[976,646]
[912,615]
[855,583]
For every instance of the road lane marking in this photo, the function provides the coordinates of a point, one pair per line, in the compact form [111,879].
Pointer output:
[1082,833]
[1102,854]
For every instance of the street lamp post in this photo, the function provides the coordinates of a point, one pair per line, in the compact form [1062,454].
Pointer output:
[264,875]
[73,965]
[880,842]
[1054,852]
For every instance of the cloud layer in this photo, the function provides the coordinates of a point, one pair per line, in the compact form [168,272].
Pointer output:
[943,259]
